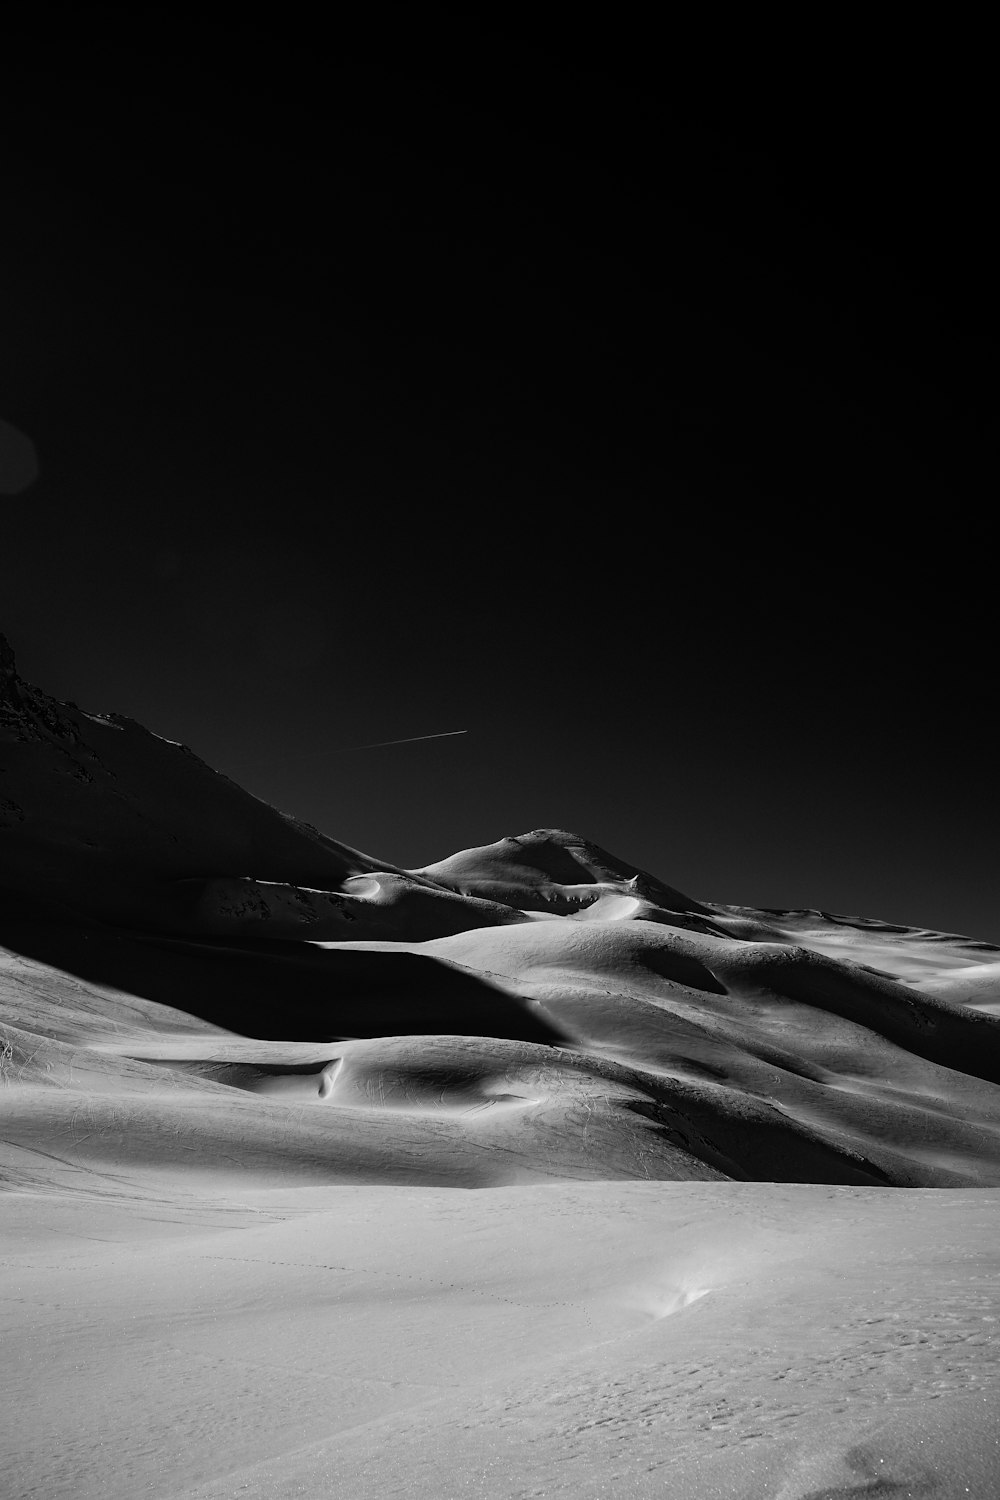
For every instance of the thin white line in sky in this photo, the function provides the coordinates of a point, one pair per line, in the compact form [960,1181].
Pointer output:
[446,734]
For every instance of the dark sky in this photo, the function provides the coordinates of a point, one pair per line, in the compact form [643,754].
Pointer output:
[651,442]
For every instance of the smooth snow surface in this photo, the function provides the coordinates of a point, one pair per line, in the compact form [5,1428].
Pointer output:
[171,1337]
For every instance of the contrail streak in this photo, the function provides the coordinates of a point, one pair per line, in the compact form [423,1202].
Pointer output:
[446,734]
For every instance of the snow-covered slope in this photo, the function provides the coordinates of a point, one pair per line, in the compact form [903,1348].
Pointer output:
[243,1069]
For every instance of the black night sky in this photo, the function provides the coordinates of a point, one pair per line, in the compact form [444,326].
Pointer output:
[651,442]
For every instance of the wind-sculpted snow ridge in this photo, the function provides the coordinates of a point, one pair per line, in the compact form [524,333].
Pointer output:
[203,980]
